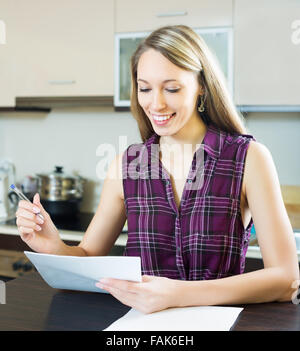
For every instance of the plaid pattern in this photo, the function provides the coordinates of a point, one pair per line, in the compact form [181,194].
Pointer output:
[205,238]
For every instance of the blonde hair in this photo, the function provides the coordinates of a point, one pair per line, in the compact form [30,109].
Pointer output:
[186,49]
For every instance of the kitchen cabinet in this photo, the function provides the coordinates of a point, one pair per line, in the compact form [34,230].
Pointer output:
[134,20]
[7,67]
[137,16]
[57,48]
[218,39]
[267,69]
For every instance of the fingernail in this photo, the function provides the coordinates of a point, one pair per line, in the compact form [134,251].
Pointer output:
[99,285]
[39,219]
[38,228]
[36,210]
[41,216]
[103,281]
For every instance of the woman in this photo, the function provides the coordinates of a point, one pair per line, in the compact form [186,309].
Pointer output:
[191,230]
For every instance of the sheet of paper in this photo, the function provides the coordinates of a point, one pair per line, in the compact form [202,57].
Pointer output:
[81,273]
[200,318]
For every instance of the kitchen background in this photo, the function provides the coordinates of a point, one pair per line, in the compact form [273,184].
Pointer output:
[62,78]
[36,142]
[58,49]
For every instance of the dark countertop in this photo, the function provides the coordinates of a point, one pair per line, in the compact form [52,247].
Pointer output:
[32,305]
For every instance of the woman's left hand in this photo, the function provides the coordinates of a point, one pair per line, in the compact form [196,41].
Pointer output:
[151,295]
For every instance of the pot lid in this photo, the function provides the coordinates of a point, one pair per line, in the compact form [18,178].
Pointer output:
[56,174]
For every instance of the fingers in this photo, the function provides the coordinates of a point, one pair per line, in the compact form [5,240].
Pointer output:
[126,298]
[37,203]
[123,285]
[35,207]
[28,224]
[26,205]
[26,233]
[132,300]
[147,278]
[27,219]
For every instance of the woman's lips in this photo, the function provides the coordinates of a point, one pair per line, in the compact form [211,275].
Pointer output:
[162,122]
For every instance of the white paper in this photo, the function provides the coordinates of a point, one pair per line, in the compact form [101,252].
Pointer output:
[81,273]
[200,318]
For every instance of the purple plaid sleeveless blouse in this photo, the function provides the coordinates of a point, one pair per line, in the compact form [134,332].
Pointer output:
[205,238]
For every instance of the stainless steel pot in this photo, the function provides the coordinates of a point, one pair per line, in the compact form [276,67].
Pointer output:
[57,186]
[60,193]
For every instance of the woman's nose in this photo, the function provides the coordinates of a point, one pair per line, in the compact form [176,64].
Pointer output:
[158,101]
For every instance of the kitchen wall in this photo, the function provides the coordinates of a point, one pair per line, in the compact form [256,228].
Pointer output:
[280,132]
[36,142]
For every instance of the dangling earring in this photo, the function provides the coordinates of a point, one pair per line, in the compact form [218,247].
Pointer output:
[201,106]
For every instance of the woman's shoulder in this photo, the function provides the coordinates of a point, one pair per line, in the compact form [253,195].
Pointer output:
[257,154]
[259,164]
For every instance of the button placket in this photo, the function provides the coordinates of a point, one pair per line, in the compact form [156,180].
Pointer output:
[179,259]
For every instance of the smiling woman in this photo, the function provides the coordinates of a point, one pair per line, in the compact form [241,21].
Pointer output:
[195,68]
[192,230]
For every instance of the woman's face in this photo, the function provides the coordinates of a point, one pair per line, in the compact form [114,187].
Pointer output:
[167,93]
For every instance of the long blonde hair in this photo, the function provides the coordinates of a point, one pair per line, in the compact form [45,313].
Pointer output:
[187,50]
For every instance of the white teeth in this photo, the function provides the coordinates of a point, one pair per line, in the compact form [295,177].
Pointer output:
[163,118]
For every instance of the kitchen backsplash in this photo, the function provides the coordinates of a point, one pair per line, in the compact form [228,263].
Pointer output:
[36,142]
[69,137]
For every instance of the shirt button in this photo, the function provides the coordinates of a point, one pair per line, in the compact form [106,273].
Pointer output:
[190,181]
[167,182]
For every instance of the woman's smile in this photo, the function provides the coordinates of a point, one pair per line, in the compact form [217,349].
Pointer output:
[168,94]
[161,120]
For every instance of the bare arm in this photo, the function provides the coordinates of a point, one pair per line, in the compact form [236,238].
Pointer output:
[276,241]
[277,244]
[108,220]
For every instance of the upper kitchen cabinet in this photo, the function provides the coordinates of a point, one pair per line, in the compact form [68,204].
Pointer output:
[137,16]
[58,48]
[7,91]
[267,52]
[134,20]
[218,39]
[7,72]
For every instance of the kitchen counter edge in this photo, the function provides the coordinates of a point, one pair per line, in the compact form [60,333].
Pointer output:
[70,235]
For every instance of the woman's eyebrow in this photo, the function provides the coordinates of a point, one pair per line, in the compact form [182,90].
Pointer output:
[165,81]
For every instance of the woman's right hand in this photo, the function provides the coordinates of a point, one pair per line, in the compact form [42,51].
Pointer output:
[40,235]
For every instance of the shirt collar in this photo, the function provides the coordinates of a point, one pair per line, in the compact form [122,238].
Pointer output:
[213,141]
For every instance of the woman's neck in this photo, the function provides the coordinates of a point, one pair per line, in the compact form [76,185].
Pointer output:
[191,134]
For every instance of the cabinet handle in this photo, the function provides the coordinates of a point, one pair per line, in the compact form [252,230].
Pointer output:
[61,82]
[172,14]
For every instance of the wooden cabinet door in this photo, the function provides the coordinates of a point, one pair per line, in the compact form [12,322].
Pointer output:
[267,59]
[7,60]
[61,48]
[137,16]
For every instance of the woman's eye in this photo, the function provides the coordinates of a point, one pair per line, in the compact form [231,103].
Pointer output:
[143,90]
[172,90]
[168,90]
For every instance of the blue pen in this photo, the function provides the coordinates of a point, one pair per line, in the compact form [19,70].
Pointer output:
[23,197]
